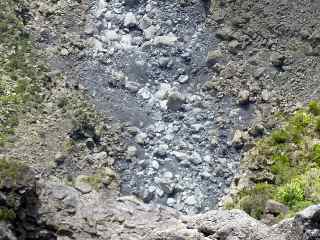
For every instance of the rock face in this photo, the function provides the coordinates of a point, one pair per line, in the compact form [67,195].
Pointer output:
[64,212]
[237,225]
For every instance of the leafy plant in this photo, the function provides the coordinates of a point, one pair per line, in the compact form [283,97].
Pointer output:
[291,193]
[314,107]
[279,136]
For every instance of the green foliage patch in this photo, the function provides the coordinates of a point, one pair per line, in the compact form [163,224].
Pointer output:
[291,154]
[21,72]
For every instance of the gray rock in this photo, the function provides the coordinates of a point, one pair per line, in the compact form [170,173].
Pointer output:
[131,3]
[183,79]
[131,152]
[239,139]
[145,22]
[275,208]
[132,87]
[6,231]
[175,101]
[164,61]
[60,158]
[180,156]
[110,35]
[225,33]
[162,150]
[130,20]
[196,158]
[169,40]
[191,201]
[150,32]
[244,97]
[82,185]
[214,56]
[265,95]
[171,202]
[277,59]
[141,138]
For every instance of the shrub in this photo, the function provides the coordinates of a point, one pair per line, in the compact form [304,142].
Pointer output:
[291,193]
[315,154]
[317,124]
[279,136]
[281,168]
[9,170]
[314,107]
[254,200]
[301,119]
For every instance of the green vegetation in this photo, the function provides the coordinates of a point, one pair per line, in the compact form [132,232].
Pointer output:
[21,73]
[253,200]
[291,156]
[100,178]
[10,171]
[12,175]
[7,214]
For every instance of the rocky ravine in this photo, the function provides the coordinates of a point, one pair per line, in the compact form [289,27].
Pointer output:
[148,67]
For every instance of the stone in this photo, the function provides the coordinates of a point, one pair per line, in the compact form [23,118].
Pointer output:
[82,185]
[133,130]
[131,152]
[162,150]
[64,52]
[155,165]
[6,231]
[196,158]
[150,32]
[214,56]
[132,87]
[180,156]
[239,139]
[130,20]
[171,202]
[110,35]
[259,72]
[164,61]
[101,156]
[191,201]
[144,93]
[141,138]
[225,33]
[265,95]
[244,97]
[277,59]
[183,79]
[163,91]
[60,158]
[145,22]
[234,46]
[131,3]
[175,101]
[275,208]
[169,40]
